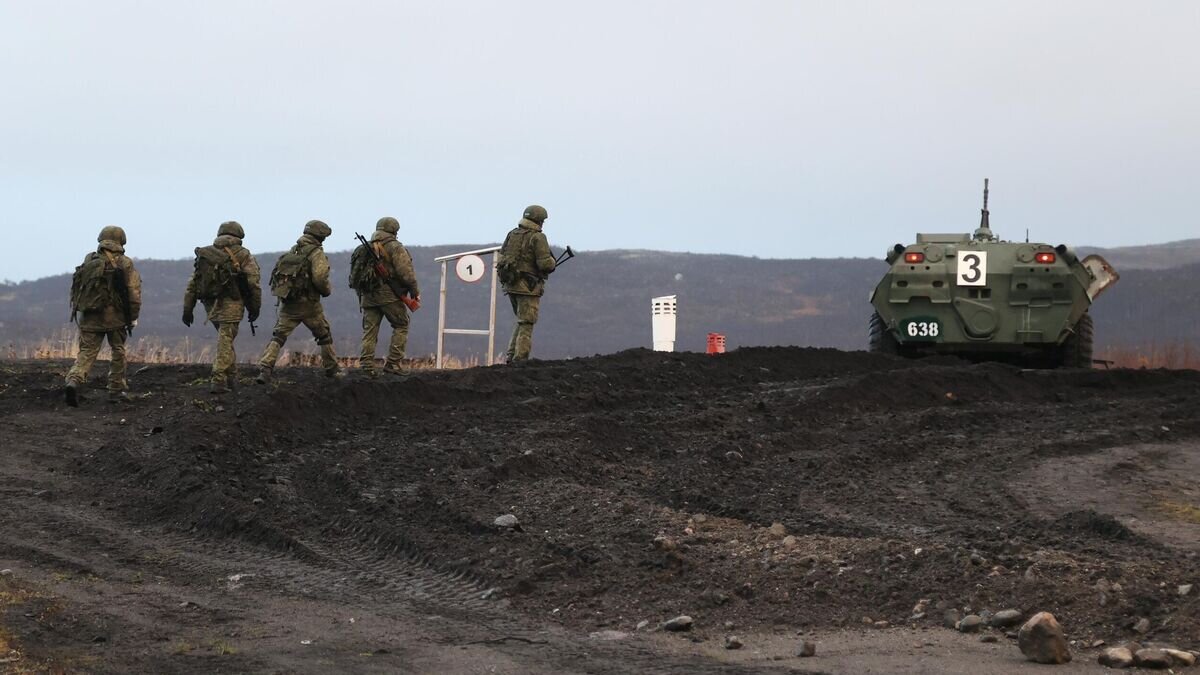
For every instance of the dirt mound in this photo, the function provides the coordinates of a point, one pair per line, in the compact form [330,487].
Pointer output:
[766,487]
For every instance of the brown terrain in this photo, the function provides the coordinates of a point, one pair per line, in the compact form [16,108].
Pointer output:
[774,494]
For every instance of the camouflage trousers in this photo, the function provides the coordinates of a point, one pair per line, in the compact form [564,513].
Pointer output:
[313,317]
[397,316]
[525,308]
[225,364]
[89,349]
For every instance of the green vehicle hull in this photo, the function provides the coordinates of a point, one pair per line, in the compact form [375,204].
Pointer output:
[978,297]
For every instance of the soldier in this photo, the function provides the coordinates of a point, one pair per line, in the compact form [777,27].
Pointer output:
[226,279]
[525,262]
[300,279]
[378,299]
[106,295]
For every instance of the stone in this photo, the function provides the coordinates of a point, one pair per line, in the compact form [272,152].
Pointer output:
[1005,618]
[1141,626]
[1153,659]
[1185,589]
[6,572]
[732,642]
[1041,640]
[790,541]
[988,638]
[642,624]
[970,624]
[777,530]
[950,618]
[1116,657]
[921,607]
[882,624]
[1181,658]
[807,648]
[678,624]
[507,520]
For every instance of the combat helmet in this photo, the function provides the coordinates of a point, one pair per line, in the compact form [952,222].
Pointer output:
[112,233]
[232,228]
[536,213]
[317,229]
[388,224]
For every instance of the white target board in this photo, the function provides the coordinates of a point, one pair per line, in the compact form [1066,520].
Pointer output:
[470,268]
[972,268]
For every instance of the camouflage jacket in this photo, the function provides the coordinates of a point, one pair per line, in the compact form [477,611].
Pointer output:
[527,250]
[321,282]
[399,264]
[230,309]
[113,317]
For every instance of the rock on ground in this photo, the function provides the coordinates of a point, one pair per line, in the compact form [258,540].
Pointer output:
[1116,657]
[679,623]
[970,624]
[1041,640]
[1181,658]
[1005,618]
[1153,659]
[507,520]
[807,648]
[732,642]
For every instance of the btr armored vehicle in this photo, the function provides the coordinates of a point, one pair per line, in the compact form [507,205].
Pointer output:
[976,296]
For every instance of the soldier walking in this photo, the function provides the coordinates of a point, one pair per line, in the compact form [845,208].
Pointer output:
[106,297]
[525,263]
[299,281]
[382,298]
[226,279]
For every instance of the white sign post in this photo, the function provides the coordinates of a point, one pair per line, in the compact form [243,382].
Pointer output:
[470,267]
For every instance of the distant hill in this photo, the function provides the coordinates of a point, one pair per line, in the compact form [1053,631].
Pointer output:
[1151,257]
[600,303]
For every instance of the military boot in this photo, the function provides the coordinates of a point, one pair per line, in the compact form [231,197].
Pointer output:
[119,397]
[72,393]
[265,375]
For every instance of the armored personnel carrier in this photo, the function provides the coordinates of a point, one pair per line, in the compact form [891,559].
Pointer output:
[979,297]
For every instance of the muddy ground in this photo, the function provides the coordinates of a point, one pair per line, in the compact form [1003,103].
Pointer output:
[774,494]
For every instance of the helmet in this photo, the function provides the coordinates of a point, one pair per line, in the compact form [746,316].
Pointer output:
[317,229]
[536,213]
[388,224]
[232,228]
[112,233]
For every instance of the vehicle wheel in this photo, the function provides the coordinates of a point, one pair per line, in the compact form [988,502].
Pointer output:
[879,338]
[1077,349]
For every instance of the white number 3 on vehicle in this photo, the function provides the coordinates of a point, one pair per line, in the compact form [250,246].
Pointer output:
[972,268]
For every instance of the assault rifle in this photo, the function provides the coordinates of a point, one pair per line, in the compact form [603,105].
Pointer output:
[566,255]
[382,271]
[243,285]
[121,286]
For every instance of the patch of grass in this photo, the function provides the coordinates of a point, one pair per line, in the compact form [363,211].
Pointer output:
[182,648]
[1188,513]
[223,648]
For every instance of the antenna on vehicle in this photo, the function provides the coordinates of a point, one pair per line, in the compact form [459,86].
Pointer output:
[1027,235]
[985,231]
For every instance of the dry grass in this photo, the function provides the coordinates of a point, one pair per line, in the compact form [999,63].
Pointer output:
[1188,513]
[1176,355]
[64,345]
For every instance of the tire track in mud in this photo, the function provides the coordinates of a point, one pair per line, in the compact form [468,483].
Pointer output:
[353,570]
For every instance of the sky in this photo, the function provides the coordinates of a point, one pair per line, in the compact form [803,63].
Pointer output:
[768,128]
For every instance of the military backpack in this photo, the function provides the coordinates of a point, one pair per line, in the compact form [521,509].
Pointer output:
[92,284]
[291,278]
[363,277]
[516,248]
[215,275]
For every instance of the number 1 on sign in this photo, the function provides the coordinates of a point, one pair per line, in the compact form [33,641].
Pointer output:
[470,268]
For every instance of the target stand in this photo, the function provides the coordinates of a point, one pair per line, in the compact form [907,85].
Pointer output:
[469,267]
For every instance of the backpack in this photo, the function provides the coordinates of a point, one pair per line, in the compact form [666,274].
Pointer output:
[214,276]
[292,276]
[514,248]
[363,277]
[92,284]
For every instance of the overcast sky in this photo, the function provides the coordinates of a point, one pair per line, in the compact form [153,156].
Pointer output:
[776,129]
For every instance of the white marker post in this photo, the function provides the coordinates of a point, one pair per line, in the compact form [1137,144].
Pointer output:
[663,312]
[470,267]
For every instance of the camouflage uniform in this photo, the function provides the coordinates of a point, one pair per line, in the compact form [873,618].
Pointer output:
[225,313]
[109,323]
[306,308]
[382,303]
[528,254]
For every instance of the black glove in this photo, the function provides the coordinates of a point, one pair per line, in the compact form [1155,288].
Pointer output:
[188,317]
[253,313]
